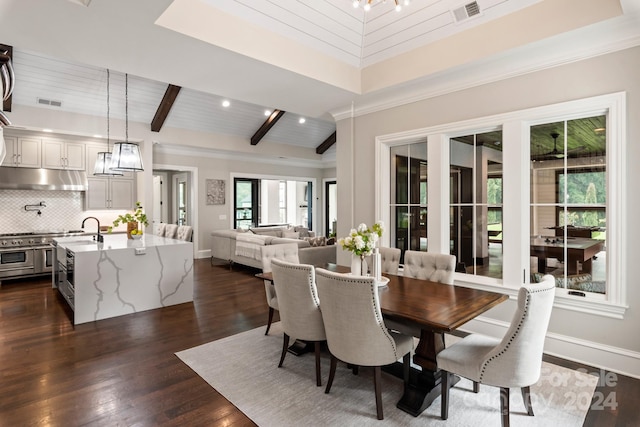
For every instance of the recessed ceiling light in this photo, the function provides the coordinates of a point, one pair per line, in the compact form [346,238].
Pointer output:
[302,120]
[47,130]
[97,136]
[267,112]
[225,103]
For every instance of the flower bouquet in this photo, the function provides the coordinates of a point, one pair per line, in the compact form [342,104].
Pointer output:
[361,242]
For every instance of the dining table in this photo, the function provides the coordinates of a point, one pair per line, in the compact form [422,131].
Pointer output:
[431,309]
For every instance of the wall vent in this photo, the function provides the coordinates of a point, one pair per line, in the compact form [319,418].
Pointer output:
[467,11]
[50,102]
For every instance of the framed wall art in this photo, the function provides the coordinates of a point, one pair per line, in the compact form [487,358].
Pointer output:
[215,191]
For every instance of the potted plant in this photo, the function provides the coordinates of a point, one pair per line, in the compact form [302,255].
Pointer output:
[133,221]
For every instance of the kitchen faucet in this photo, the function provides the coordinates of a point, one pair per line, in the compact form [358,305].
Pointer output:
[100,237]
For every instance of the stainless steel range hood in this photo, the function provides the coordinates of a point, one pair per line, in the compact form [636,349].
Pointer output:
[42,179]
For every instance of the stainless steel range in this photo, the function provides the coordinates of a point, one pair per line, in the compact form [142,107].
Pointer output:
[29,254]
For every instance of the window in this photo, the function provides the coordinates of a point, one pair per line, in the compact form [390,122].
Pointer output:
[408,207]
[570,157]
[271,200]
[569,203]
[476,203]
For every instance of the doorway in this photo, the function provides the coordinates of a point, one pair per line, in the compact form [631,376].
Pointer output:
[177,187]
[331,208]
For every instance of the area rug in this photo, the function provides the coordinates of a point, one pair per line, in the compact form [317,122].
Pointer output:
[243,368]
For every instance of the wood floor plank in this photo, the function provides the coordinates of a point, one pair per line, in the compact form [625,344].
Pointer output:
[124,371]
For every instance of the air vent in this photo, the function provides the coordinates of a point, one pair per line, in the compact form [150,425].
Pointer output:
[50,102]
[467,11]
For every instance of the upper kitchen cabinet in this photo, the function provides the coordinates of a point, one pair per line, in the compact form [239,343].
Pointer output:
[22,152]
[63,155]
[110,193]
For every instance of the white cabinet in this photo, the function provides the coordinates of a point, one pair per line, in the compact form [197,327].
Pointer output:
[22,152]
[63,155]
[110,193]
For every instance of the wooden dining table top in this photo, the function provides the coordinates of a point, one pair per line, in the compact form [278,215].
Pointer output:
[430,305]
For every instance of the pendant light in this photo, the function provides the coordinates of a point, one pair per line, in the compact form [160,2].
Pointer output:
[126,155]
[103,161]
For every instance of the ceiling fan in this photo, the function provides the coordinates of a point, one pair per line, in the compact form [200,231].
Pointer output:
[555,153]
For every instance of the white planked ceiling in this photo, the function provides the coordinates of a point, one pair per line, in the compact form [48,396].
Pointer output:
[83,89]
[361,38]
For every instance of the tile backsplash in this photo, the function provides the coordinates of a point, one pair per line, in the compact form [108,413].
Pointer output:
[64,210]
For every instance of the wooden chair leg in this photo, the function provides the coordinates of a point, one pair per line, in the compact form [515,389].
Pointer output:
[355,369]
[332,373]
[271,310]
[318,378]
[377,385]
[526,396]
[444,394]
[406,368]
[285,346]
[476,387]
[504,405]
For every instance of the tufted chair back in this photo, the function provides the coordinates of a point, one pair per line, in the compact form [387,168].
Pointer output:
[160,229]
[390,260]
[429,266]
[184,233]
[171,231]
[286,252]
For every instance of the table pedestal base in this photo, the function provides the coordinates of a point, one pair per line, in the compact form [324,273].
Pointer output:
[423,389]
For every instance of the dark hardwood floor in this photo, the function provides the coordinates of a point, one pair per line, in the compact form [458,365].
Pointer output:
[123,371]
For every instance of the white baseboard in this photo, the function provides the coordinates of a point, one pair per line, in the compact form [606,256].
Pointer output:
[206,253]
[602,356]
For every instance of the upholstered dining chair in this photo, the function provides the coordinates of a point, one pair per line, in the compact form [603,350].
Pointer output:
[299,307]
[513,361]
[429,266]
[286,252]
[184,232]
[390,259]
[160,229]
[171,231]
[355,331]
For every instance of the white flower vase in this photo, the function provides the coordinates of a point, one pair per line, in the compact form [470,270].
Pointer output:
[358,265]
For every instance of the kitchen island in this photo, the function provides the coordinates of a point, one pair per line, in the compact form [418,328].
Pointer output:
[120,276]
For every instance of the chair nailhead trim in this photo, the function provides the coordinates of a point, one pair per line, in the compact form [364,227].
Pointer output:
[495,357]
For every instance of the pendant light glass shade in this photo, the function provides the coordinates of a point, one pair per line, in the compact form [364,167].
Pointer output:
[103,162]
[126,155]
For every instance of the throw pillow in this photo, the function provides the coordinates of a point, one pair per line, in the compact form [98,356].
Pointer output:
[304,231]
[316,241]
[291,234]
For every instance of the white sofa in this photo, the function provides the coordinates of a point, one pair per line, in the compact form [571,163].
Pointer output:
[224,245]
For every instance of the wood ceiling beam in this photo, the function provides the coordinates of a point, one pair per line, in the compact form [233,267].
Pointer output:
[165,107]
[6,105]
[320,149]
[268,124]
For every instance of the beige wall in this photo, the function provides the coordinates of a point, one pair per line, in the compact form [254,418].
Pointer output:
[602,75]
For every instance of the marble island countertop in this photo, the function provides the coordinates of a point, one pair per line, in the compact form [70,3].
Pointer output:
[122,276]
[78,244]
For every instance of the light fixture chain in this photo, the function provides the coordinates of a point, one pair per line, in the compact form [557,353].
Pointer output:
[126,107]
[108,109]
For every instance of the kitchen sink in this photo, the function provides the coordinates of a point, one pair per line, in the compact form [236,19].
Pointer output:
[80,242]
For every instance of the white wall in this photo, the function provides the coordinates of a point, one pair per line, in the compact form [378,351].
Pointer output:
[598,340]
